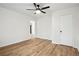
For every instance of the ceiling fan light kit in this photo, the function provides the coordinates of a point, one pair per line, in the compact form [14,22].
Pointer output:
[37,11]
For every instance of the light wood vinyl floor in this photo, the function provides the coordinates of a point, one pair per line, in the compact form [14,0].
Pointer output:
[38,47]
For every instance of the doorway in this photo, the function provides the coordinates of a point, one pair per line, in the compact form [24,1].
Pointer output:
[32,27]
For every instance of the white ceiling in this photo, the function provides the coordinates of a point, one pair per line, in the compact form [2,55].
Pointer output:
[21,7]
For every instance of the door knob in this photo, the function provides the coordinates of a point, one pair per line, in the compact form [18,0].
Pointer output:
[60,31]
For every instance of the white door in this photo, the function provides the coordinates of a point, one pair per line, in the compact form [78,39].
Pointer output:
[66,30]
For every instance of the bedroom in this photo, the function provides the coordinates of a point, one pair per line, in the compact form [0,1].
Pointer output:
[59,25]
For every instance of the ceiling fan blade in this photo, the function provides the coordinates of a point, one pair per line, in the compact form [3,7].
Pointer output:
[43,11]
[45,7]
[35,5]
[30,9]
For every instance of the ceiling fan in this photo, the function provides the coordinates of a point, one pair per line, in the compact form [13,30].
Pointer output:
[38,9]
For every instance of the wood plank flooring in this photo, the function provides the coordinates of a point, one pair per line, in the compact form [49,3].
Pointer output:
[38,47]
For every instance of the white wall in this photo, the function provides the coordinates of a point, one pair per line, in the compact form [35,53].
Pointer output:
[14,27]
[75,23]
[43,27]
